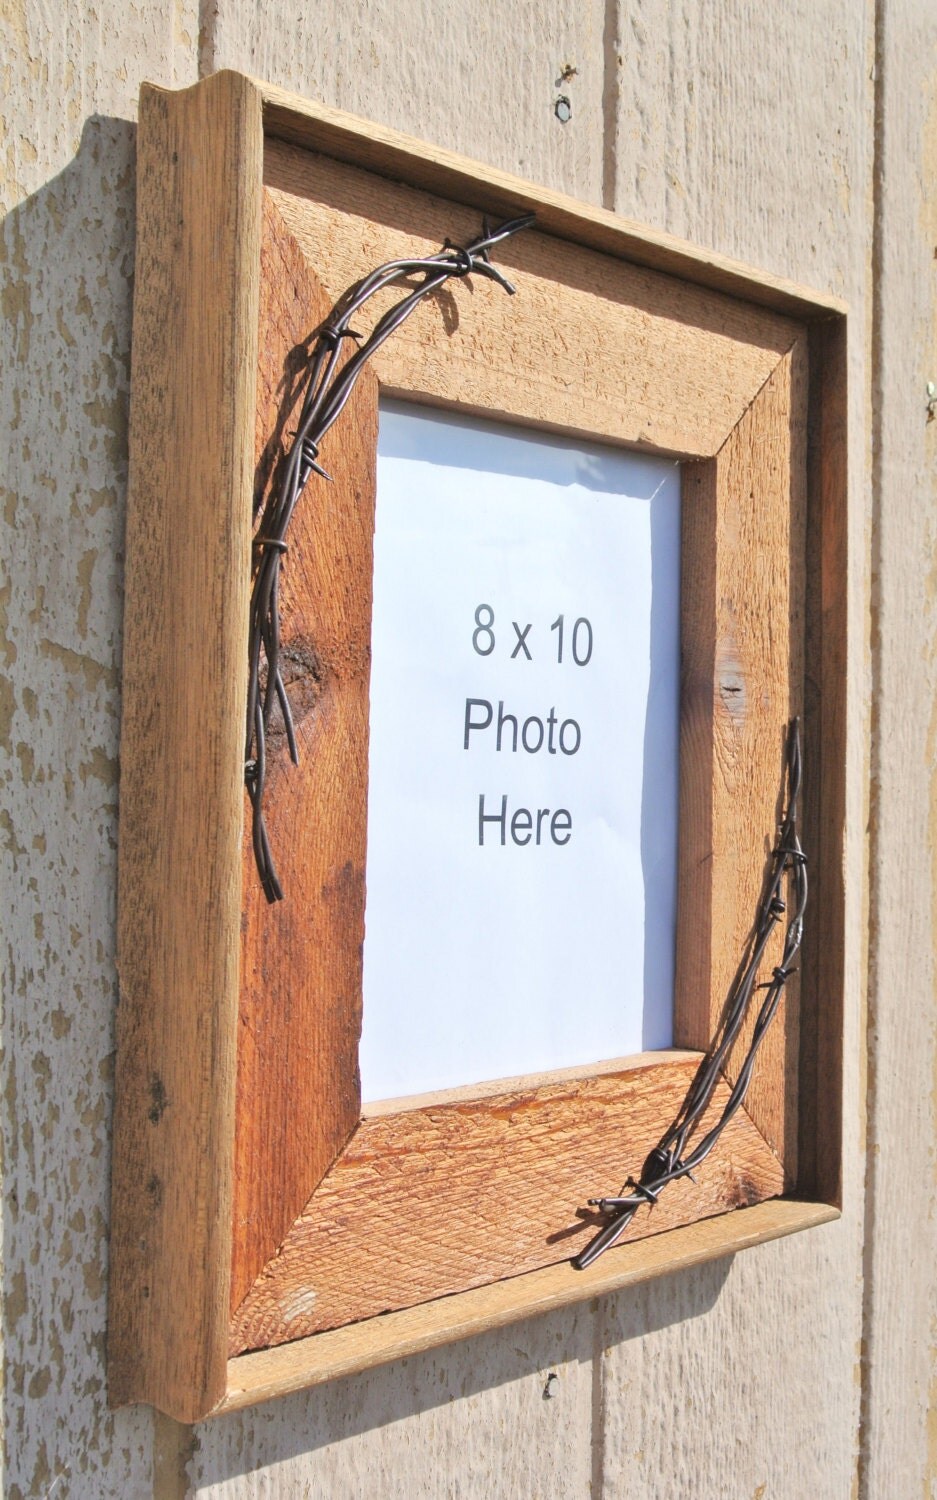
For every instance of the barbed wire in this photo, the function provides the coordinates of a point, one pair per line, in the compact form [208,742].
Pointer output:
[670,1160]
[328,385]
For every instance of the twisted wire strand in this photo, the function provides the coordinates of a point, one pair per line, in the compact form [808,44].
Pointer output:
[328,385]
[670,1159]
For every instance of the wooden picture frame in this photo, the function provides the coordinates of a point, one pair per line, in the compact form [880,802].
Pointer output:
[264,1235]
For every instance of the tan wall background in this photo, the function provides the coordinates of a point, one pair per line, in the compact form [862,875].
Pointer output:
[800,136]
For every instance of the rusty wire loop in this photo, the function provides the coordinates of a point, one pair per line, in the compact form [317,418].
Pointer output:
[328,385]
[670,1158]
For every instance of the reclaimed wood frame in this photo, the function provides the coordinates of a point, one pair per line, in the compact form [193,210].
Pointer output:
[430,1223]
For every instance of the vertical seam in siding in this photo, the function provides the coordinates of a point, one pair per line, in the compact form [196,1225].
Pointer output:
[597,1488]
[876,382]
[611,103]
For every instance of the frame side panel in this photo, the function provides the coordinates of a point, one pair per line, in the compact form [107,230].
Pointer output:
[298,1095]
[361,1346]
[743,646]
[821,1059]
[185,654]
[435,1200]
[608,350]
[347,138]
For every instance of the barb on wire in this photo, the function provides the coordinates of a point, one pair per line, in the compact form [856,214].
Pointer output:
[328,382]
[674,1155]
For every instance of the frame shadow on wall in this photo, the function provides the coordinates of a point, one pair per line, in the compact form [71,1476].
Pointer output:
[67,253]
[569,1343]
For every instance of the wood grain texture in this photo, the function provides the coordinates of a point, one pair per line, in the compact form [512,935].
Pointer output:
[437,364]
[298,1091]
[194,377]
[429,1202]
[360,1346]
[742,633]
[317,127]
[608,350]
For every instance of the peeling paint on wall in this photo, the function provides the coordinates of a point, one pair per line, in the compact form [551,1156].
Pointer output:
[64,397]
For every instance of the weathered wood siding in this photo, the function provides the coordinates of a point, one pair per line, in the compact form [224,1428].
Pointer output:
[801,137]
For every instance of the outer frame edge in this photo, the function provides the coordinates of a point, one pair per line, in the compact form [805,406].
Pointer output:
[253,1378]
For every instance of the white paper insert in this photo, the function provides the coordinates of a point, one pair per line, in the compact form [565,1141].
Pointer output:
[527,588]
